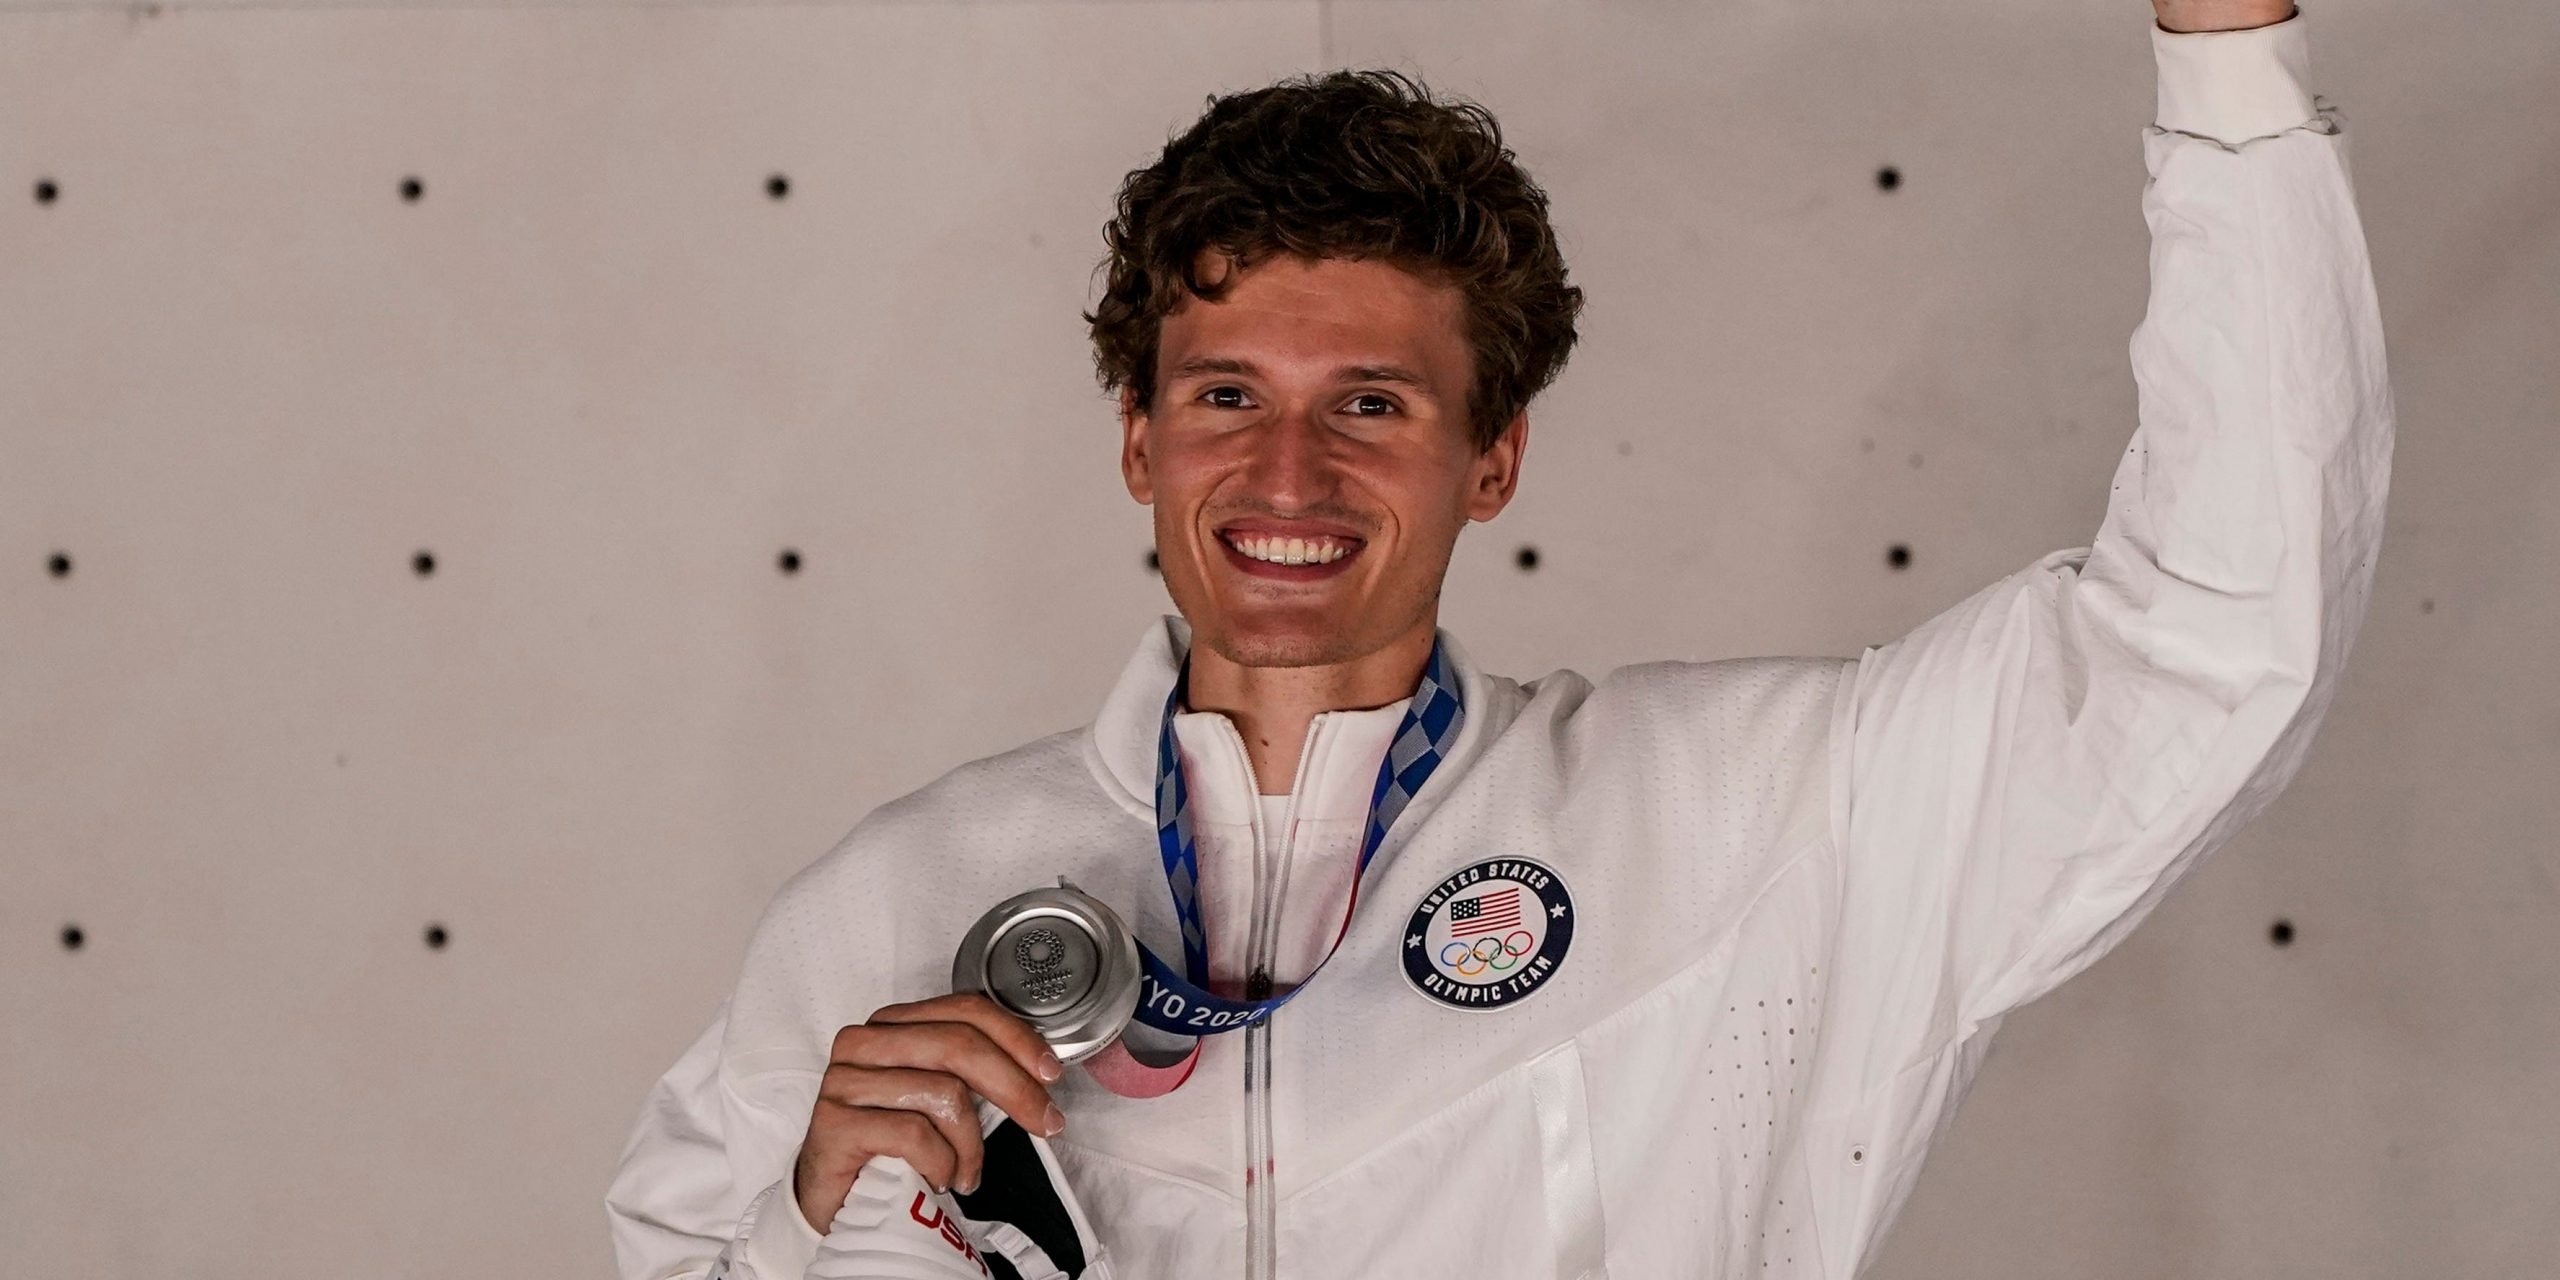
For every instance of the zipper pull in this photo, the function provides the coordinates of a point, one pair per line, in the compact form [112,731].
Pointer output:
[1258,987]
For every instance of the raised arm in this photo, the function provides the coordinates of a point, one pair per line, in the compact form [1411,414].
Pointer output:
[2026,775]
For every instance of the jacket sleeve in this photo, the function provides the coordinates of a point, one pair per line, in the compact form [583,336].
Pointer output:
[2029,773]
[704,1188]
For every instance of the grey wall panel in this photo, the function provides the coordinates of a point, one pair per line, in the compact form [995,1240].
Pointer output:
[606,380]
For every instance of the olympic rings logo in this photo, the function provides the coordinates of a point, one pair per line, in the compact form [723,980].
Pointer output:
[1467,959]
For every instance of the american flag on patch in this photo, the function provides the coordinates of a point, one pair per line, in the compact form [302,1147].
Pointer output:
[1485,913]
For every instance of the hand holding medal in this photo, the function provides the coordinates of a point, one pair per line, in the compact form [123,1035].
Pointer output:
[905,1085]
[1045,979]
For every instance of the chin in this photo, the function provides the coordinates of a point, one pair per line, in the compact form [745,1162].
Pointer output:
[1299,646]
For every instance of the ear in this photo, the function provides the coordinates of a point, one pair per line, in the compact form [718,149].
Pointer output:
[1495,474]
[1133,448]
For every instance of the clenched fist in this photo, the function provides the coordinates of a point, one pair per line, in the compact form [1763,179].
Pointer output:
[902,1084]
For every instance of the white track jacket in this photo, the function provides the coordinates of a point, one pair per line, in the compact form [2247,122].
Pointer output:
[1804,891]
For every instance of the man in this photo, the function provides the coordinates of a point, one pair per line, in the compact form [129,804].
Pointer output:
[1678,973]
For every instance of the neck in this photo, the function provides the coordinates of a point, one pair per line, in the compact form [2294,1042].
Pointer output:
[1272,706]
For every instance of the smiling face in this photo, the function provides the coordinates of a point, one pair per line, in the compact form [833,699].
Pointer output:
[1309,461]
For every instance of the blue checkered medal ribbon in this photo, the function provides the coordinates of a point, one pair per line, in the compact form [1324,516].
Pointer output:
[1181,1003]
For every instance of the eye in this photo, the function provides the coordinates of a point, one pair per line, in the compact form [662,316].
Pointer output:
[1225,396]
[1369,404]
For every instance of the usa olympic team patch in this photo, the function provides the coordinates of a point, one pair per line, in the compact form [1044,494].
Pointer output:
[1490,935]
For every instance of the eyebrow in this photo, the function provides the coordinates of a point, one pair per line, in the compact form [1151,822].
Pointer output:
[1348,373]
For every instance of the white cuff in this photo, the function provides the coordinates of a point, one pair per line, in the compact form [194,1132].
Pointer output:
[2232,86]
[780,1243]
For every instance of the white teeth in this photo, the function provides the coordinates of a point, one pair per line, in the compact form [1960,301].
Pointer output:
[1276,550]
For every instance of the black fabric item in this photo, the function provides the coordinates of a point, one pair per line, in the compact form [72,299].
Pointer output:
[1014,1187]
[997,1267]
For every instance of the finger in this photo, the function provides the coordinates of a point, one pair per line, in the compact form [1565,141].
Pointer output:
[1010,1033]
[907,1135]
[959,1049]
[942,1099]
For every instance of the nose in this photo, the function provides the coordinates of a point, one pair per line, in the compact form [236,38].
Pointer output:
[1292,464]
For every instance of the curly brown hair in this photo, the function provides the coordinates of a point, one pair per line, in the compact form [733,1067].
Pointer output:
[1350,164]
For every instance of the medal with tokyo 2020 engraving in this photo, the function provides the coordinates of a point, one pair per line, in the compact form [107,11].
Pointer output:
[1058,959]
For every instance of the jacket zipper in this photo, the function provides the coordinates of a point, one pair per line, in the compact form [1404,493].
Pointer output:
[1261,1203]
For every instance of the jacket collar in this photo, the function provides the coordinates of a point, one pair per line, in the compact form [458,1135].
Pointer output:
[1121,745]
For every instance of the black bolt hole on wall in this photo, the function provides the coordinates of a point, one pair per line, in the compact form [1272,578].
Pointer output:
[1888,178]
[777,186]
[1154,565]
[424,563]
[1899,556]
[1528,559]
[790,560]
[60,565]
[2282,933]
[46,191]
[435,937]
[72,937]
[411,189]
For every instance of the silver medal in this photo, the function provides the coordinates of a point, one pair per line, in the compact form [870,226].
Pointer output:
[1058,959]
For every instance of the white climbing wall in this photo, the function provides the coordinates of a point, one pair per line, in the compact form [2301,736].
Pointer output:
[406,708]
